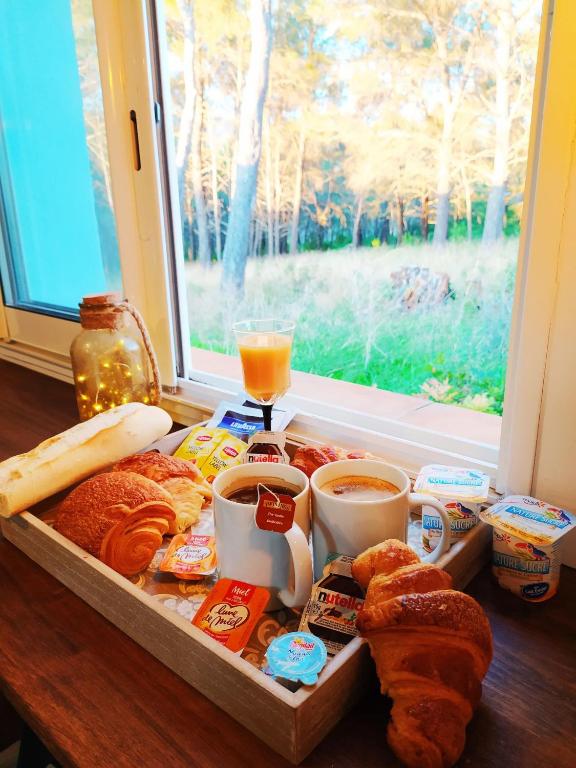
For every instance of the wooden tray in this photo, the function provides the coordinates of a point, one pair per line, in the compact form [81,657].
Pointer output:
[292,723]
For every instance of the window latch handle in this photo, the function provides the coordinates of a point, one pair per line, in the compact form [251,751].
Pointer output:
[135,140]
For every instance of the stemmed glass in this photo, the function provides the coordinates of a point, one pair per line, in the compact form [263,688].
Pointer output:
[265,347]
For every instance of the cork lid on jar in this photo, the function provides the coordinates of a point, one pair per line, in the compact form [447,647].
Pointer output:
[101,310]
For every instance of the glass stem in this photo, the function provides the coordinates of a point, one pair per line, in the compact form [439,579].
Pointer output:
[267,413]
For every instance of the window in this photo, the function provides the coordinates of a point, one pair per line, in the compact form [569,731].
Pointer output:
[161,238]
[360,169]
[57,224]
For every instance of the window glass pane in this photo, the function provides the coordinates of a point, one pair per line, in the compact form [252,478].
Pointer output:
[358,168]
[58,229]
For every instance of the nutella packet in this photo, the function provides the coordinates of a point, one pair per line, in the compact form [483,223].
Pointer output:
[230,612]
[200,443]
[267,447]
[190,556]
[334,604]
[228,453]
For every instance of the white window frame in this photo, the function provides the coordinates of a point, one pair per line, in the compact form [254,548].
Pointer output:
[144,217]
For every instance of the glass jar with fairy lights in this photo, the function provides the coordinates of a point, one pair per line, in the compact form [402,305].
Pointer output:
[112,357]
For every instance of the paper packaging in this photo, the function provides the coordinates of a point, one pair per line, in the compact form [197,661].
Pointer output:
[230,612]
[228,453]
[267,447]
[200,443]
[334,604]
[243,420]
[462,491]
[526,545]
[190,556]
[296,656]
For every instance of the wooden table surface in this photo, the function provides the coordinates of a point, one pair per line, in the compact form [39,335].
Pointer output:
[97,699]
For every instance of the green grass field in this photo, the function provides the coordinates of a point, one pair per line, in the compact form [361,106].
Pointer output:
[351,325]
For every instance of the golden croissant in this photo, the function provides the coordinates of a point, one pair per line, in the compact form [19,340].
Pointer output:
[432,647]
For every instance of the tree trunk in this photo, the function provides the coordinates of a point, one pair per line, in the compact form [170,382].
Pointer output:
[277,196]
[385,231]
[356,226]
[425,218]
[443,185]
[187,116]
[495,208]
[468,202]
[215,198]
[197,187]
[399,211]
[269,200]
[297,194]
[237,103]
[257,238]
[249,146]
[190,135]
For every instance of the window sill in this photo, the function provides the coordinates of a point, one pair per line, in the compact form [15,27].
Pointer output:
[408,409]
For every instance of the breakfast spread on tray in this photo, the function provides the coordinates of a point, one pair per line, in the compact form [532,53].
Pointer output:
[284,554]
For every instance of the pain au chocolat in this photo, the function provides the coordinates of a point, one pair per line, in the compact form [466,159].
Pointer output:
[119,517]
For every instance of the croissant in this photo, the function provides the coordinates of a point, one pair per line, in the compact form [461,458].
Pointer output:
[432,647]
[119,517]
[180,478]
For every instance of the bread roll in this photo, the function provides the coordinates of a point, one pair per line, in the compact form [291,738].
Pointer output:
[77,453]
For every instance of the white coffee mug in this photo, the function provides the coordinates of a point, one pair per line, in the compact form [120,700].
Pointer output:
[280,562]
[349,526]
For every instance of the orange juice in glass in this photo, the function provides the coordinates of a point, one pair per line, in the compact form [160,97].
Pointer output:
[265,347]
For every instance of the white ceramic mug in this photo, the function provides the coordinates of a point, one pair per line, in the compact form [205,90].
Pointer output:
[349,526]
[280,562]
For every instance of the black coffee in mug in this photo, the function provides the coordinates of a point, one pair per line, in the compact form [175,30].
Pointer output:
[248,493]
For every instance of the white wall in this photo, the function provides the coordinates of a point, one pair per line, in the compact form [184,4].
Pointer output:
[555,467]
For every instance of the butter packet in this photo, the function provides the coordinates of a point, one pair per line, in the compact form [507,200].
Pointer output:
[526,554]
[190,556]
[230,612]
[297,656]
[200,443]
[462,491]
[228,453]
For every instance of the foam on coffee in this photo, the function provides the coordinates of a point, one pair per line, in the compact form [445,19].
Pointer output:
[360,488]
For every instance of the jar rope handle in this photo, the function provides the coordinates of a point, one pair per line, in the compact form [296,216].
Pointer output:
[157,387]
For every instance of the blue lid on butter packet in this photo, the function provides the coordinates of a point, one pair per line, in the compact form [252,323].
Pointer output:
[297,656]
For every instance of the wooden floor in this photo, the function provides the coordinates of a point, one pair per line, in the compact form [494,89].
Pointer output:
[97,699]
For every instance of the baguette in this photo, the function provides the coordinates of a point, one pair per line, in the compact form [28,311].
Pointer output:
[77,453]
